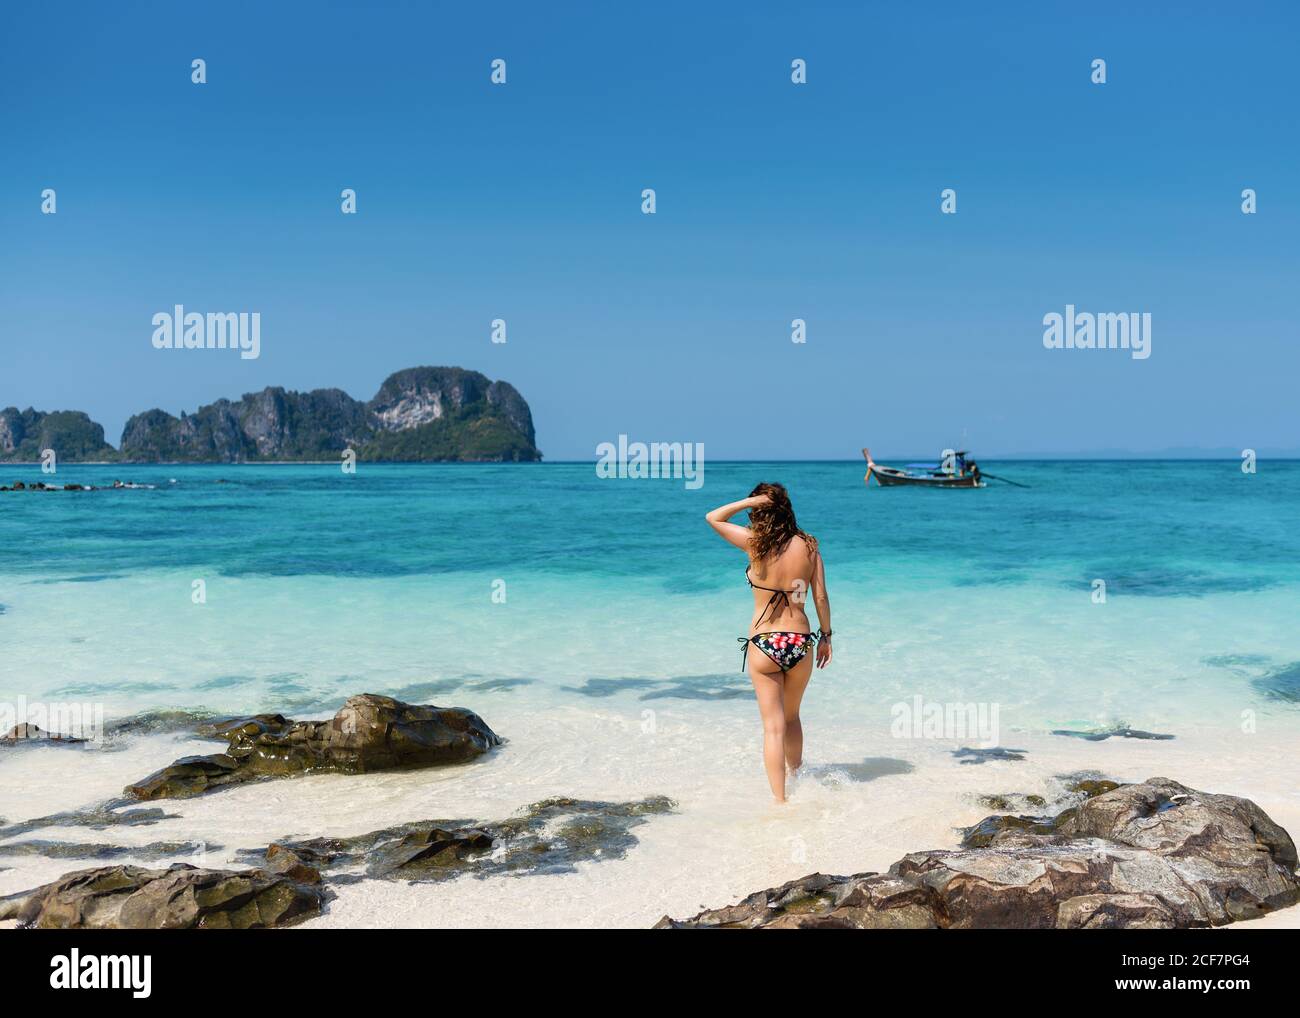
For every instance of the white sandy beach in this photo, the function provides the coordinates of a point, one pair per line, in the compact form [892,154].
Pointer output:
[724,841]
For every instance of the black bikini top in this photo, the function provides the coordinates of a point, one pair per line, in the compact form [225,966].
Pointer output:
[778,599]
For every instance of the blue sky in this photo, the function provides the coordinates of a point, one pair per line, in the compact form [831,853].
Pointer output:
[775,202]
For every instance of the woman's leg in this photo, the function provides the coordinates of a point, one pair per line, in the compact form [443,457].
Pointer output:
[767,680]
[796,681]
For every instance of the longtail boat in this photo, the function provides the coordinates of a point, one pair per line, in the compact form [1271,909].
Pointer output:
[956,472]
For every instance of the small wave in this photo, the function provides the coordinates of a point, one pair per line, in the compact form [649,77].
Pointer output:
[869,769]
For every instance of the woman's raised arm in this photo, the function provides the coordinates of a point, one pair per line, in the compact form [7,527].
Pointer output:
[734,532]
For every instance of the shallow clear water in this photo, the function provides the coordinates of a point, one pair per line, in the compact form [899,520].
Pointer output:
[612,667]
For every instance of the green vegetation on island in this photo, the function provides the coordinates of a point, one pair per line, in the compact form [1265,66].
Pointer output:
[420,414]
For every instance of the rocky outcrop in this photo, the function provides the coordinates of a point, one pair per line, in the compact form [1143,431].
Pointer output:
[273,424]
[1012,807]
[180,897]
[290,879]
[26,434]
[42,486]
[417,396]
[27,734]
[419,414]
[97,818]
[552,836]
[369,733]
[1150,855]
[100,851]
[448,414]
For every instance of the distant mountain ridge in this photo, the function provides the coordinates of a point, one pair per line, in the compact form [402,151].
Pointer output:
[423,414]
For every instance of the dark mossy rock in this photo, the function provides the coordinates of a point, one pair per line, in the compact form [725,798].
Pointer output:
[866,901]
[434,848]
[180,897]
[302,866]
[1066,802]
[27,734]
[96,817]
[1155,855]
[1010,802]
[984,832]
[1091,788]
[243,727]
[188,776]
[154,722]
[369,733]
[102,851]
[551,836]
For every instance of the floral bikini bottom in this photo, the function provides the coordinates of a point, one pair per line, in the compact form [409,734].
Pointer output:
[785,649]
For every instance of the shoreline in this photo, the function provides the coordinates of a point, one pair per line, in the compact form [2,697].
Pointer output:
[836,821]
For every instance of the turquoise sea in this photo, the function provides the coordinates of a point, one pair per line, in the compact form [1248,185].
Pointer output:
[592,622]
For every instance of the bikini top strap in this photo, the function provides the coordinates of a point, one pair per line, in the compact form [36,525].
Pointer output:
[774,602]
[779,597]
[757,586]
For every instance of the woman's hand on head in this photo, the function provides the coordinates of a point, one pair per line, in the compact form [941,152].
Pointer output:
[758,501]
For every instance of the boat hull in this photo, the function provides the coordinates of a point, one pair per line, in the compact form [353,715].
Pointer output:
[888,477]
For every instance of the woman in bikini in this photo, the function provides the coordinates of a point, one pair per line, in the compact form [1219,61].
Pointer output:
[784,565]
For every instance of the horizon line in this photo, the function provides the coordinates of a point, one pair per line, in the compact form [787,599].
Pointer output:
[1051,458]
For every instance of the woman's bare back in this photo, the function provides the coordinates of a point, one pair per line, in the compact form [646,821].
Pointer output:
[792,570]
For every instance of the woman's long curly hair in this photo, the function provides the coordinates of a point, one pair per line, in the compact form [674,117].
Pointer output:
[773,525]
